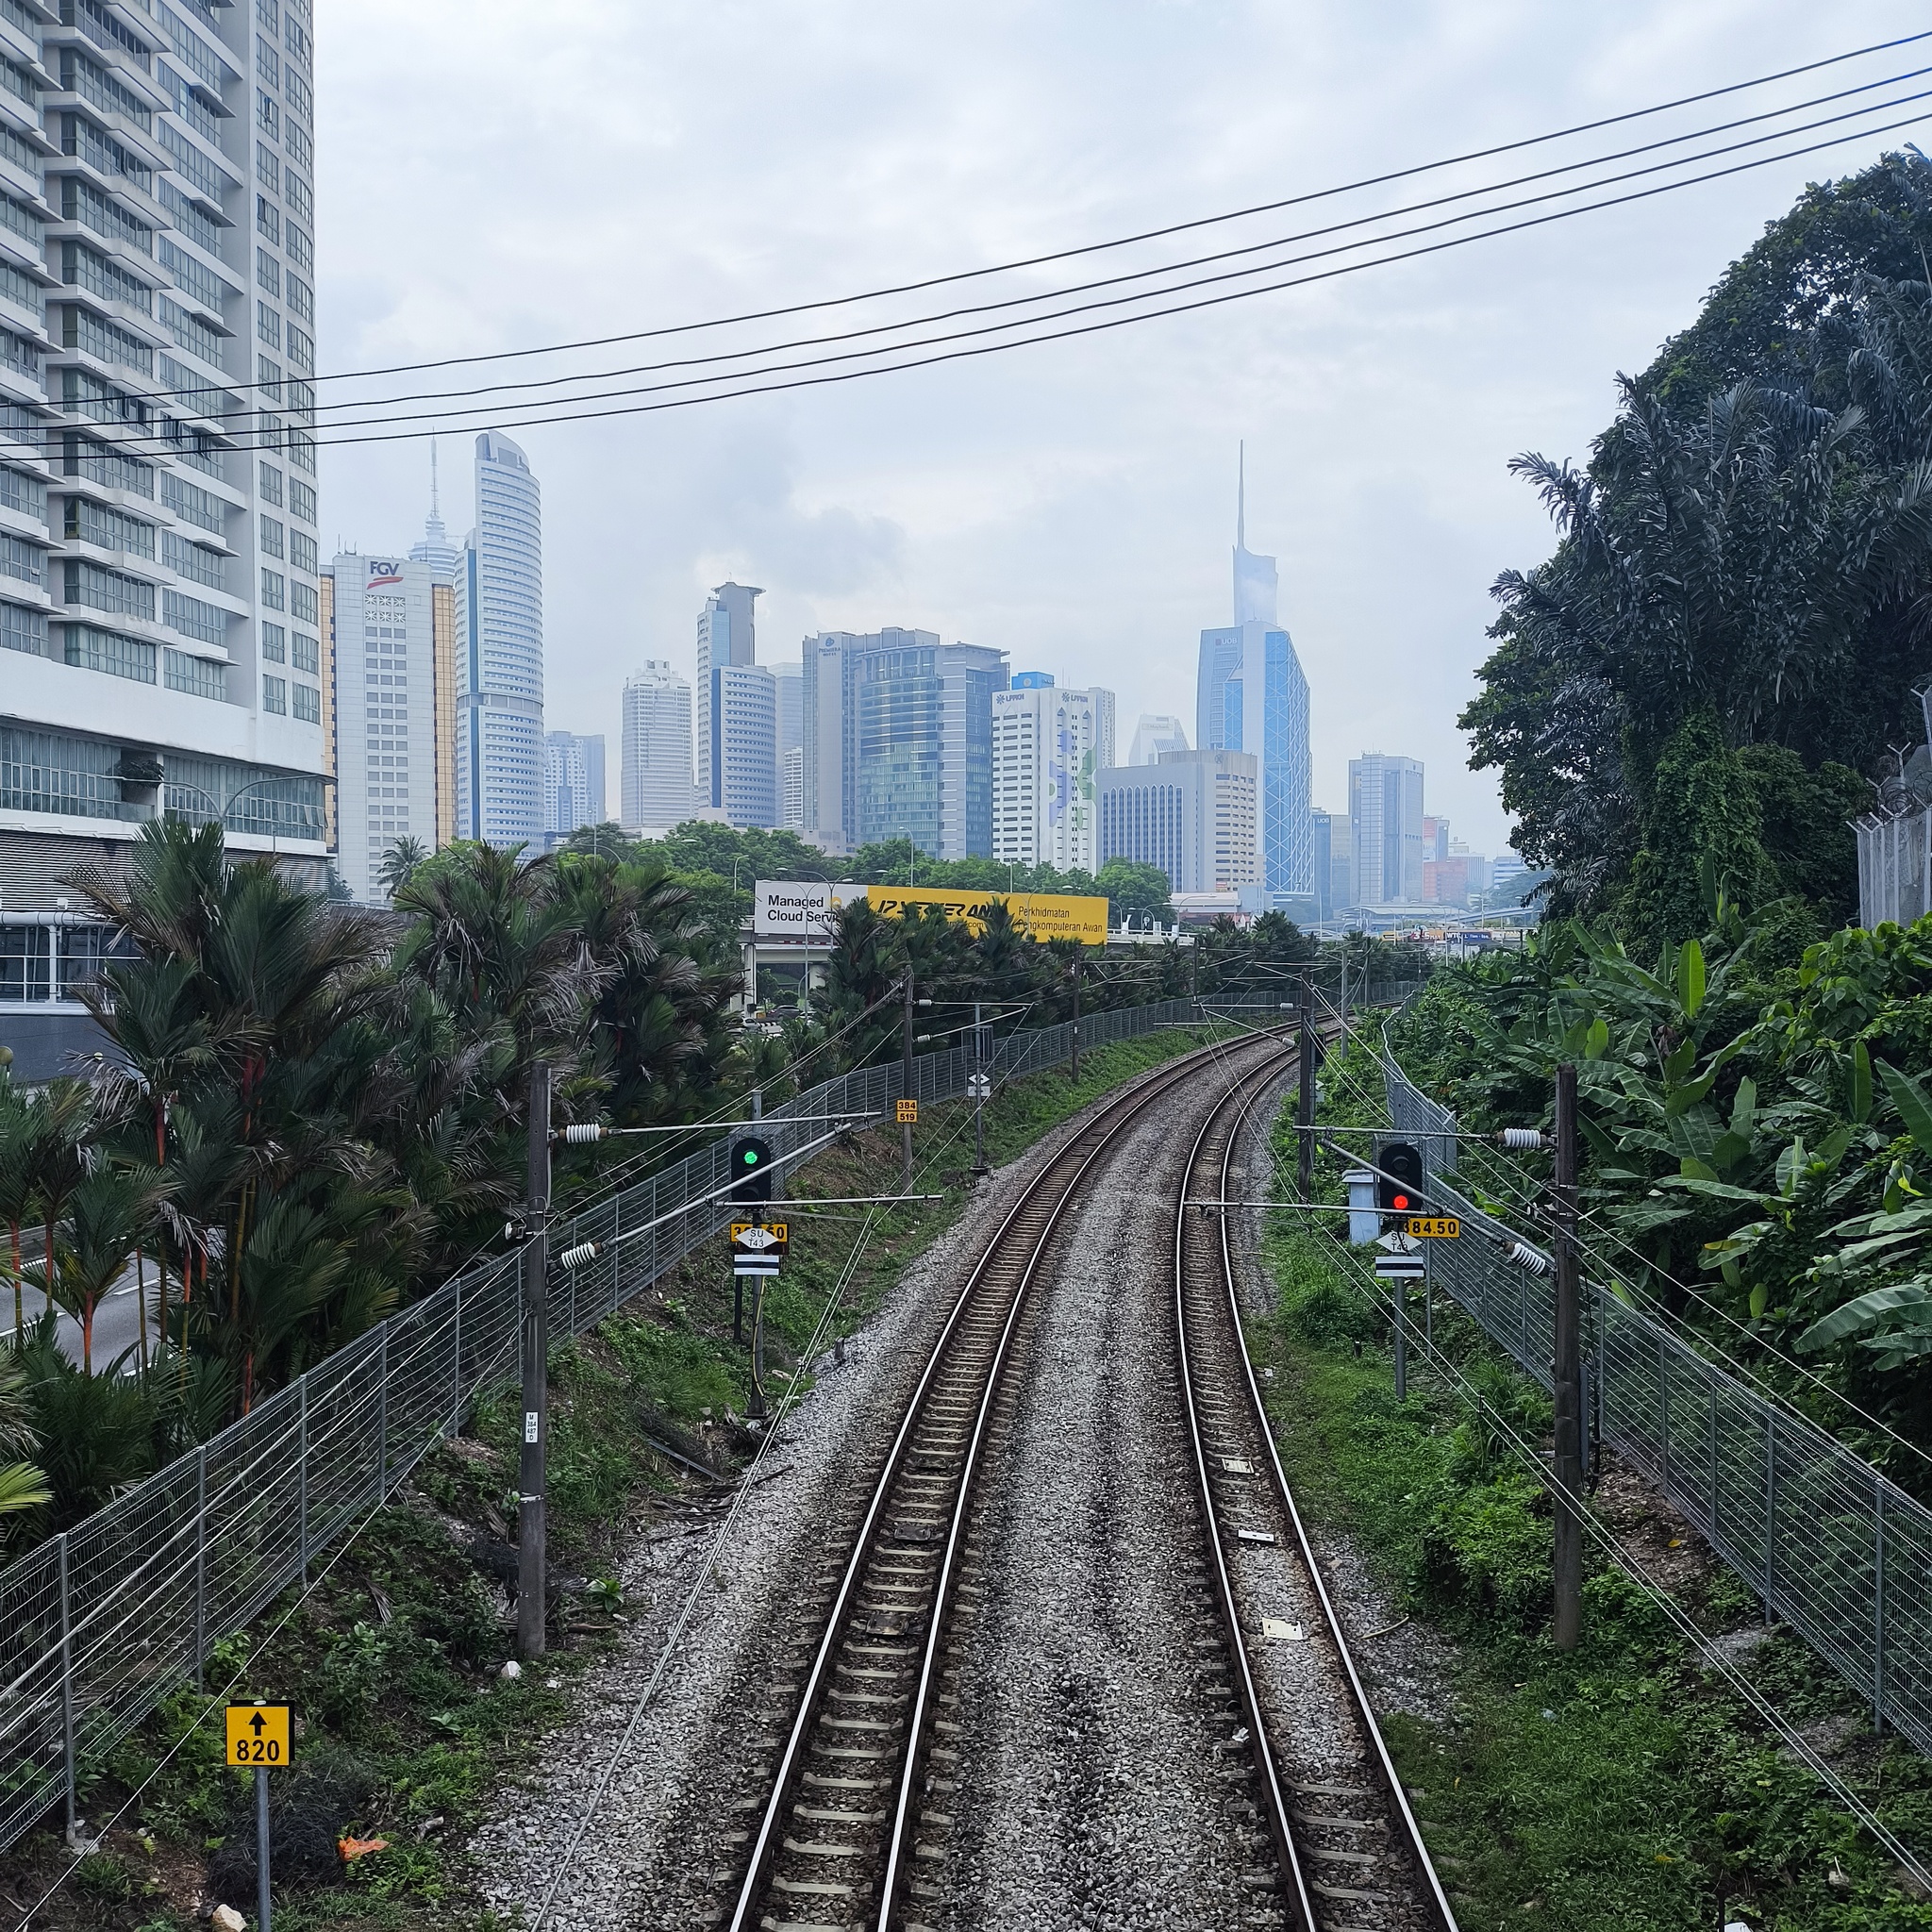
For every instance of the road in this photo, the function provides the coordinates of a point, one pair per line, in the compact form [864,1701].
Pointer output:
[117,1319]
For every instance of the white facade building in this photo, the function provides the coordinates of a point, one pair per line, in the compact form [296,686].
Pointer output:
[1385,816]
[1045,763]
[655,792]
[736,712]
[1193,814]
[573,783]
[499,638]
[1157,732]
[160,643]
[384,714]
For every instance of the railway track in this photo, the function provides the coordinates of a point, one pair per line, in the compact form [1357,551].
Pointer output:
[868,1763]
[1350,1855]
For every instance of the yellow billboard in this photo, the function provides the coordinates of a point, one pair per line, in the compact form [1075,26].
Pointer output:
[1039,915]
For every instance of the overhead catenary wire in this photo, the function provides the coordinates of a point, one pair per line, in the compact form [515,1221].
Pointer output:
[795,375]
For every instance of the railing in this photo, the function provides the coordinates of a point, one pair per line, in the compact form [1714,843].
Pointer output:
[103,1622]
[1839,1553]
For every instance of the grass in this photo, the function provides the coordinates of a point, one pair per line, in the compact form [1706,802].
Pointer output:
[405,1728]
[1619,1785]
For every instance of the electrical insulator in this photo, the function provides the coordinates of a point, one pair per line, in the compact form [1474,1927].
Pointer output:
[1525,1140]
[576,1256]
[578,1133]
[1529,1258]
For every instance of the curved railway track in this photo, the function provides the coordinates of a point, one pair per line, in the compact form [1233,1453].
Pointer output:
[836,1845]
[862,1781]
[1349,1853]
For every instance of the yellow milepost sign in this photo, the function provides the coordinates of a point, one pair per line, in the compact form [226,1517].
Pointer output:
[908,1110]
[1435,1227]
[258,1735]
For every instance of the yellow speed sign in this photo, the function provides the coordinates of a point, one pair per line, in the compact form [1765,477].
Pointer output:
[258,1735]
[1435,1227]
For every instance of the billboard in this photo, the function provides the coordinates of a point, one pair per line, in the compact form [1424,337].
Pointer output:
[1039,915]
[798,908]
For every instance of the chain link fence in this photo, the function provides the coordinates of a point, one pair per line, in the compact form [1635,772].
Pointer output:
[102,1623]
[1833,1548]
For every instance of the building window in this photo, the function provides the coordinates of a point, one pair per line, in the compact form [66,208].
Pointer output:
[198,677]
[271,537]
[309,704]
[268,219]
[301,350]
[269,13]
[303,604]
[301,500]
[303,552]
[299,197]
[268,61]
[268,168]
[301,299]
[275,590]
[301,250]
[89,649]
[274,695]
[193,618]
[268,272]
[268,116]
[274,646]
[270,485]
[307,655]
[268,326]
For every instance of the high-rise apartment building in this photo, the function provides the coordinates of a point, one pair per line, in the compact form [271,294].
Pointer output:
[573,783]
[736,712]
[1251,695]
[1157,732]
[898,741]
[1045,763]
[1385,811]
[655,792]
[499,649]
[160,635]
[789,720]
[393,745]
[1191,813]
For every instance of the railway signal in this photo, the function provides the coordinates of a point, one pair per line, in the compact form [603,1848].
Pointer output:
[1399,1185]
[750,1166]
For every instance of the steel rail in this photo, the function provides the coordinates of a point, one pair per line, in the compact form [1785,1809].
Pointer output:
[1057,1178]
[1434,1903]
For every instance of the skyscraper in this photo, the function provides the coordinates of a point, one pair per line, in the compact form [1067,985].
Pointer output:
[1385,813]
[390,780]
[1191,813]
[788,683]
[1253,695]
[736,712]
[499,646]
[160,633]
[1045,760]
[655,792]
[1157,732]
[573,783]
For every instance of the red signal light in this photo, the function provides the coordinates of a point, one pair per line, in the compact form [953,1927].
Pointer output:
[1402,1201]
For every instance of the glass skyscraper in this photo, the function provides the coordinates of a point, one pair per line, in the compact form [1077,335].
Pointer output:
[499,625]
[1251,695]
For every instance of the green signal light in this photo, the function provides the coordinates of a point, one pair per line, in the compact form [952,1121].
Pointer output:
[751,1156]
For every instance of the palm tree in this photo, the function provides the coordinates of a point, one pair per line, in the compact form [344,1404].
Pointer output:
[21,1128]
[108,1213]
[398,862]
[22,1484]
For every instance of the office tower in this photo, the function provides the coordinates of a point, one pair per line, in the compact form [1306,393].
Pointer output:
[1339,861]
[499,646]
[1385,810]
[1045,760]
[1104,707]
[1435,839]
[736,712]
[1192,814]
[655,792]
[1319,832]
[898,741]
[1157,732]
[1253,697]
[160,567]
[788,690]
[386,710]
[573,783]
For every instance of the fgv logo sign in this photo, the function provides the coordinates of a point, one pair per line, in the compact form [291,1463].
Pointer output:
[381,573]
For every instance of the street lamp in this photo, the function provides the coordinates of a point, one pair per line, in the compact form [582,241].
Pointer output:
[221,811]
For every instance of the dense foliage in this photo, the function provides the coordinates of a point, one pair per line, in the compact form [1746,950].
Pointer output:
[1725,644]
[1756,1139]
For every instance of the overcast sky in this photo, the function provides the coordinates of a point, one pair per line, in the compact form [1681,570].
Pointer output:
[496,173]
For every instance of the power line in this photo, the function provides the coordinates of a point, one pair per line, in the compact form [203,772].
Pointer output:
[1042,296]
[1142,235]
[272,438]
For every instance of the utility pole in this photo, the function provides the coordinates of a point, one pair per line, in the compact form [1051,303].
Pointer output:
[1304,1098]
[1078,962]
[536,1350]
[755,1408]
[978,1091]
[906,1089]
[1568,1378]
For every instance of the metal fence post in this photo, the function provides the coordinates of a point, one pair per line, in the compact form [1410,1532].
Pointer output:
[382,1413]
[1663,1405]
[301,1475]
[200,1563]
[67,1688]
[1770,1507]
[455,1373]
[1710,1390]
[1878,1602]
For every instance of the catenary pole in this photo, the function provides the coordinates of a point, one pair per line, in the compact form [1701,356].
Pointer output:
[907,1087]
[535,1339]
[1568,1378]
[1305,1097]
[1078,962]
